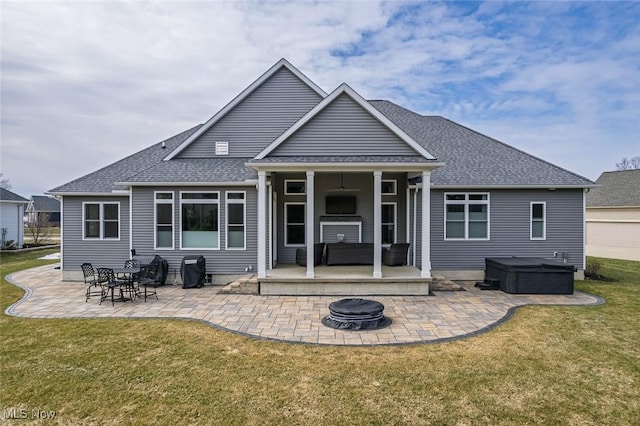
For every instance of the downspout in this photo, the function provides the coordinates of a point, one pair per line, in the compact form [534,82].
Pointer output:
[270,225]
[408,219]
[131,222]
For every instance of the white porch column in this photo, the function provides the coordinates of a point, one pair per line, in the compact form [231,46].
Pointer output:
[377,224]
[262,224]
[310,225]
[426,225]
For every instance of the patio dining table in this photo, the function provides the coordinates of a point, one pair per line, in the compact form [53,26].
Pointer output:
[126,274]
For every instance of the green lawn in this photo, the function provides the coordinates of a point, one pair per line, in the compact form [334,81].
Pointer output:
[546,365]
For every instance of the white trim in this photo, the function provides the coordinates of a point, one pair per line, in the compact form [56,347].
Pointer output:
[286,222]
[155,219]
[463,187]
[247,182]
[244,218]
[199,201]
[345,89]
[240,97]
[352,167]
[466,202]
[544,221]
[286,181]
[101,221]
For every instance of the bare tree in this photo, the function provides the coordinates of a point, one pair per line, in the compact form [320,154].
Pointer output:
[629,163]
[39,229]
[4,183]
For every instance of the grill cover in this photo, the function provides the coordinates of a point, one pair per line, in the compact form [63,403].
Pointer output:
[193,271]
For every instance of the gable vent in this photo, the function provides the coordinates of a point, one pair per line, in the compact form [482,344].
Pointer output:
[222,148]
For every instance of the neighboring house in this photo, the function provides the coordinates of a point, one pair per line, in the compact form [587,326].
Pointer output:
[261,179]
[43,206]
[613,216]
[12,218]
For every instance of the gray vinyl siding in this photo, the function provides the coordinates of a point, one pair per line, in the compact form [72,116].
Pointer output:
[510,229]
[343,128]
[258,119]
[218,262]
[325,184]
[101,253]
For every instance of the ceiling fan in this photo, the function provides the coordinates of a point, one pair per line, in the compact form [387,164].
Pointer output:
[342,188]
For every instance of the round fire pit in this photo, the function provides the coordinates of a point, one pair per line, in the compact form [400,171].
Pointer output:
[356,314]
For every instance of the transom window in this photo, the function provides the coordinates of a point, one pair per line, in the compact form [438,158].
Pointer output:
[467,216]
[200,220]
[236,219]
[294,220]
[295,187]
[538,220]
[389,187]
[101,221]
[164,220]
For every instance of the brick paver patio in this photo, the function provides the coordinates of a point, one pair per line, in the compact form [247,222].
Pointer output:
[444,316]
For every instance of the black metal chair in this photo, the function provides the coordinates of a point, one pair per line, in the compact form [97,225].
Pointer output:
[107,278]
[396,255]
[94,287]
[147,280]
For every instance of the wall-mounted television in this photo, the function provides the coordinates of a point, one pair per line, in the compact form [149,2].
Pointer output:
[340,204]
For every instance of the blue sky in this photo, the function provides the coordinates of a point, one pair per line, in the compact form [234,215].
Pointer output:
[87,83]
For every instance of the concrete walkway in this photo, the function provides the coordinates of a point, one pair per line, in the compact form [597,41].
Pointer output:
[416,319]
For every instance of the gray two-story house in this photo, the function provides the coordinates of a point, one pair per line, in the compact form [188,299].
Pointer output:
[285,166]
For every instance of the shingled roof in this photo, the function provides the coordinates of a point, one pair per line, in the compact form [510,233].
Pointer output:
[12,197]
[616,189]
[473,159]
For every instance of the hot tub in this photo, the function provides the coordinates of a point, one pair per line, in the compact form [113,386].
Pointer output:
[530,275]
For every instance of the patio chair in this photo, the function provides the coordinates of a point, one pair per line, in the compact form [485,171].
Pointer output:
[132,279]
[301,255]
[107,278]
[148,280]
[396,255]
[94,287]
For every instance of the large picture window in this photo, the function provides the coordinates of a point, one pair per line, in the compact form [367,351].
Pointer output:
[389,223]
[200,218]
[236,219]
[294,219]
[467,216]
[164,220]
[538,221]
[101,221]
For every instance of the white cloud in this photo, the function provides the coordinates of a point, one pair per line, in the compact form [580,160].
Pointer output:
[86,83]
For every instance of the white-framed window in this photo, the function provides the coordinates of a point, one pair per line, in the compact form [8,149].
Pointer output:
[294,217]
[538,214]
[236,220]
[101,220]
[389,187]
[466,216]
[389,229]
[295,187]
[163,220]
[199,220]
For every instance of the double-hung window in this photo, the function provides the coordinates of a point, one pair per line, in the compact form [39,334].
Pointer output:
[200,217]
[101,221]
[466,216]
[389,211]
[538,221]
[163,220]
[236,219]
[294,220]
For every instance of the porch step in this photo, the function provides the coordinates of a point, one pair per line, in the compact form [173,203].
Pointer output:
[440,283]
[247,284]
